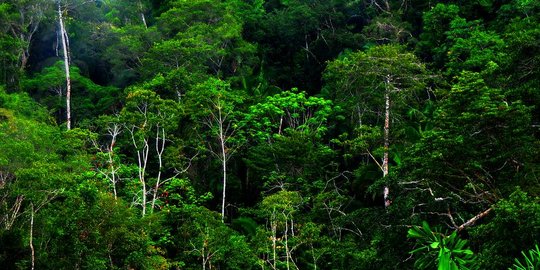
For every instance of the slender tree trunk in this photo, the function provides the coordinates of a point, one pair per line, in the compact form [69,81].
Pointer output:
[274,238]
[313,256]
[286,236]
[143,18]
[113,173]
[159,150]
[386,192]
[65,49]
[24,60]
[31,241]
[111,162]
[203,255]
[114,132]
[143,159]
[223,163]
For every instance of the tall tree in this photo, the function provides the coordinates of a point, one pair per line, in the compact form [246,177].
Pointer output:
[377,82]
[24,20]
[147,119]
[460,171]
[214,104]
[65,50]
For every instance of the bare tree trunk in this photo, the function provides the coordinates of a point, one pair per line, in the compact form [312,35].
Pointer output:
[286,236]
[142,160]
[65,44]
[159,150]
[114,131]
[313,256]
[387,200]
[203,255]
[274,238]
[223,163]
[31,241]
[110,173]
[113,171]
[386,133]
[24,59]
[141,10]
[144,20]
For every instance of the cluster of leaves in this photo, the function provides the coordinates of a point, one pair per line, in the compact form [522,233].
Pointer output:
[449,252]
[530,260]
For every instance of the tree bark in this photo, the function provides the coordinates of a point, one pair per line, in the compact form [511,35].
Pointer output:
[473,220]
[386,193]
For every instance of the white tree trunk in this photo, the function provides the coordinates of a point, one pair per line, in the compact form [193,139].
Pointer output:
[142,160]
[160,147]
[65,44]
[143,18]
[386,192]
[31,240]
[223,162]
[286,236]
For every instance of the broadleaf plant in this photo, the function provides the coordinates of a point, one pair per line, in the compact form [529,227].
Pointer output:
[448,252]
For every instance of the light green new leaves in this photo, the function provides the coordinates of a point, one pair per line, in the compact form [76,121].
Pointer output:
[288,111]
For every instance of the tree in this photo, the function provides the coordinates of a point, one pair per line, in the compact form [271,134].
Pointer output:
[287,133]
[123,13]
[129,45]
[35,169]
[203,36]
[112,236]
[23,20]
[214,104]
[496,242]
[433,45]
[363,82]
[9,49]
[65,49]
[460,167]
[279,210]
[148,118]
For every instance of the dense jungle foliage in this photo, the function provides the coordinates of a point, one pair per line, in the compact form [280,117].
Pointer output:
[269,134]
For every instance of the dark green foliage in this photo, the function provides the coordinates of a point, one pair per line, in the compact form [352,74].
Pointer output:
[92,230]
[513,227]
[89,99]
[170,98]
[298,37]
[197,238]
